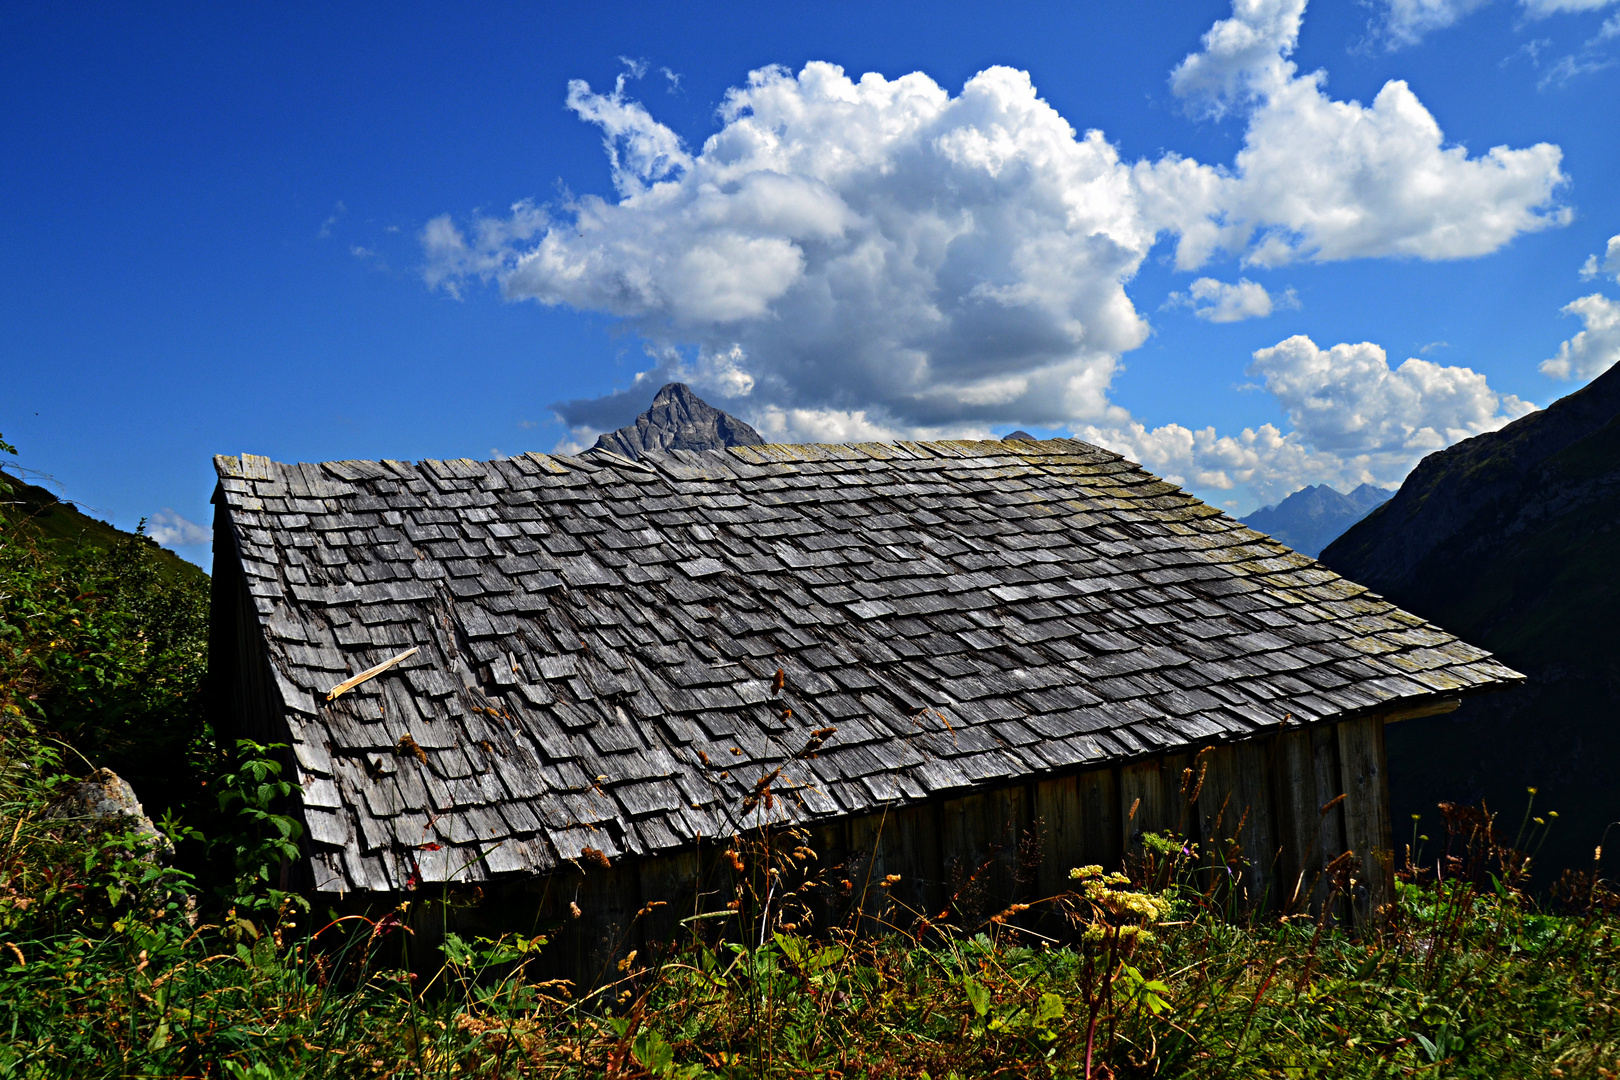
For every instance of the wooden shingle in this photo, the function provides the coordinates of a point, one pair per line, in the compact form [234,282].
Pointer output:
[965,614]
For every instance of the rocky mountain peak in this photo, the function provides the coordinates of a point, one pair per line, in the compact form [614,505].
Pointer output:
[1312,517]
[678,420]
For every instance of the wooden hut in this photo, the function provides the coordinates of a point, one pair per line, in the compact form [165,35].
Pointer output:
[1009,654]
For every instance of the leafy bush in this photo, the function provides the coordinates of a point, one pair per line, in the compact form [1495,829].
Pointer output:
[255,839]
[103,649]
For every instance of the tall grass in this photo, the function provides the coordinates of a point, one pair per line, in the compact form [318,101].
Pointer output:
[106,975]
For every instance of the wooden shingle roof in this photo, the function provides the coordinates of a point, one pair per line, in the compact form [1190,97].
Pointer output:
[589,629]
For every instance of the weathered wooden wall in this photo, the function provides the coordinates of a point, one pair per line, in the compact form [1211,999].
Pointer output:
[1267,814]
[242,694]
[241,697]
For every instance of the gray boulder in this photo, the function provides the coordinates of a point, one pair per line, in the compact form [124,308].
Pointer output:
[104,803]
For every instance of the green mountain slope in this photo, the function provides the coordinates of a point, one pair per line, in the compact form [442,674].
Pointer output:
[1510,539]
[62,526]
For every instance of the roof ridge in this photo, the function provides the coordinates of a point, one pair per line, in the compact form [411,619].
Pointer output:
[238,468]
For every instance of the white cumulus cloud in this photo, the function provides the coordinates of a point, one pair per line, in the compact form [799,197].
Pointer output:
[1354,420]
[875,257]
[1220,302]
[171,530]
[874,246]
[1593,350]
[1347,400]
[1406,22]
[1326,180]
[1243,57]
[1608,263]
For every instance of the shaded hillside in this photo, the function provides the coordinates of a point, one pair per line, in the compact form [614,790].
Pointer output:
[1312,518]
[1510,540]
[63,527]
[679,420]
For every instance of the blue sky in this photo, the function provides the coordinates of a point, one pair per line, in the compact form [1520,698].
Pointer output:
[291,231]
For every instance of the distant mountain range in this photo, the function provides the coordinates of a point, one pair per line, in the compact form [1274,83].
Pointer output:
[1512,540]
[1312,518]
[678,420]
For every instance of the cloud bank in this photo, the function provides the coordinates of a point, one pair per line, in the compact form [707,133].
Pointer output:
[171,530]
[866,258]
[1354,420]
[1593,350]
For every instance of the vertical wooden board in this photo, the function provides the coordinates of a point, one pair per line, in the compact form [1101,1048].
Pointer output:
[608,902]
[1330,836]
[1177,814]
[913,853]
[829,900]
[1366,814]
[1147,802]
[545,902]
[1293,784]
[1007,822]
[828,839]
[1259,828]
[903,842]
[966,826]
[1057,807]
[1234,805]
[1177,771]
[1102,842]
[671,878]
[866,863]
[961,822]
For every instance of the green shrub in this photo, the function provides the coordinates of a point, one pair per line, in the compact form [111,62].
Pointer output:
[101,648]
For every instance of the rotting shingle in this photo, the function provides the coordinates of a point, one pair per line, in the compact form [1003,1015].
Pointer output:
[962,613]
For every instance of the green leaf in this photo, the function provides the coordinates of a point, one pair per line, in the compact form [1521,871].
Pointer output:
[456,951]
[977,995]
[792,947]
[1049,1008]
[653,1053]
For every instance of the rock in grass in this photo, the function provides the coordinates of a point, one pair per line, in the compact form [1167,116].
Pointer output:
[105,804]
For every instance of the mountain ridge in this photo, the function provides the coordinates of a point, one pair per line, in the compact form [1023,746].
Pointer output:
[1452,485]
[63,526]
[1511,539]
[1313,517]
[678,419]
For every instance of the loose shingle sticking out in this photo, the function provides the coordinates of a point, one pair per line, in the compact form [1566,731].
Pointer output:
[678,420]
[600,640]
